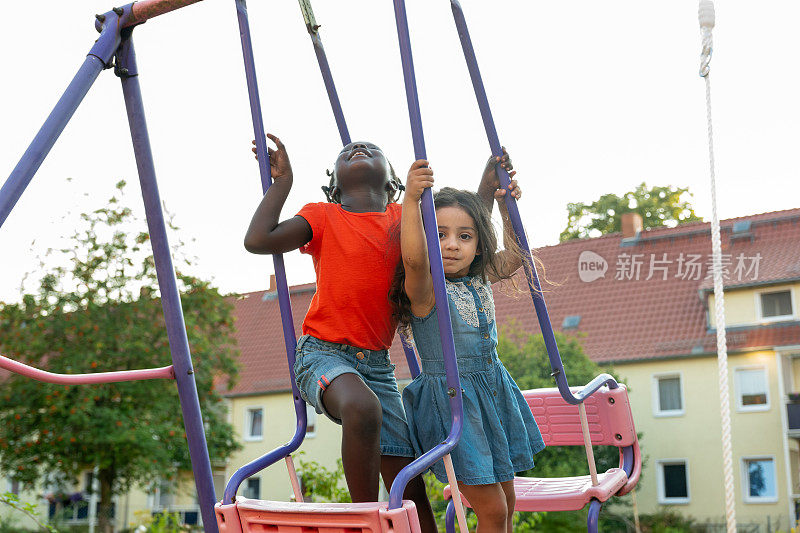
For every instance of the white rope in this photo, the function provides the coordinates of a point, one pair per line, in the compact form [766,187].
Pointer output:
[706,18]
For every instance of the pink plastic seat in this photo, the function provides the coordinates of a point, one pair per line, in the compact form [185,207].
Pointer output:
[610,422]
[257,516]
[561,493]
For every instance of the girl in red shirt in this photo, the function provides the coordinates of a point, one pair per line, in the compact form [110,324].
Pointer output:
[342,366]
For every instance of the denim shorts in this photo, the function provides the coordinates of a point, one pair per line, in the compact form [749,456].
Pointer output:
[319,362]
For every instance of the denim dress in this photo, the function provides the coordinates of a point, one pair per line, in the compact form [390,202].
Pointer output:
[500,435]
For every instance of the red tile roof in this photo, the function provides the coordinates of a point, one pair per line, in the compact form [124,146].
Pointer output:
[263,364]
[622,317]
[625,316]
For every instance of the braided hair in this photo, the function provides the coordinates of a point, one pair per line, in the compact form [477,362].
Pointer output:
[334,195]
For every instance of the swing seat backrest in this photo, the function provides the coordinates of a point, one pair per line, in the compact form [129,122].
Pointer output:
[610,423]
[257,516]
[607,411]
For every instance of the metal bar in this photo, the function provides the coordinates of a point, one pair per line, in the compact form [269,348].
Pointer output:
[455,493]
[170,298]
[325,69]
[513,211]
[341,124]
[437,270]
[289,336]
[144,10]
[587,443]
[298,493]
[165,372]
[593,517]
[627,455]
[411,357]
[450,518]
[97,59]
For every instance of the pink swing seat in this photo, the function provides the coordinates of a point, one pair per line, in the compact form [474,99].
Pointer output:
[608,413]
[257,516]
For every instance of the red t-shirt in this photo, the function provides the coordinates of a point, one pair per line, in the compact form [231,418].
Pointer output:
[355,256]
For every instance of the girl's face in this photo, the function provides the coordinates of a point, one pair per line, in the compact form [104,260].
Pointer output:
[361,163]
[458,240]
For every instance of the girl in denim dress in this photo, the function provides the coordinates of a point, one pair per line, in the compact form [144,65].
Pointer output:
[500,435]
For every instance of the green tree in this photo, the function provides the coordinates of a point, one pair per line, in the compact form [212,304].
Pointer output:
[98,310]
[320,484]
[658,206]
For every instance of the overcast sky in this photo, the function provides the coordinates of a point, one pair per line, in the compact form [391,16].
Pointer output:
[589,97]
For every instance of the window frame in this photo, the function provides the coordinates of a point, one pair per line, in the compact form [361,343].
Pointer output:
[13,486]
[740,407]
[656,397]
[662,497]
[778,318]
[311,412]
[247,436]
[247,486]
[746,477]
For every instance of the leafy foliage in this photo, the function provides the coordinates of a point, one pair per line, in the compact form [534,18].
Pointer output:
[162,523]
[28,509]
[658,206]
[668,520]
[98,310]
[320,484]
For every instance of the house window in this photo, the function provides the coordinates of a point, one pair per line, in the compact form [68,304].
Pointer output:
[13,486]
[311,421]
[252,489]
[759,480]
[218,476]
[752,390]
[254,420]
[776,305]
[88,483]
[673,481]
[163,496]
[667,395]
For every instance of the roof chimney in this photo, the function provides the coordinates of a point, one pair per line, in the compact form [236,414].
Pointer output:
[631,225]
[272,285]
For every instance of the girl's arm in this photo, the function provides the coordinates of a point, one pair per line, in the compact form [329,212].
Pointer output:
[413,247]
[507,260]
[490,182]
[265,235]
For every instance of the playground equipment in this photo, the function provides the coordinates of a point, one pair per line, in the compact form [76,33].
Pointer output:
[609,426]
[606,421]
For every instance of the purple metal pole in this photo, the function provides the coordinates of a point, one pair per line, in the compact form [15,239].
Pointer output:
[170,298]
[325,69]
[594,516]
[341,124]
[437,269]
[513,211]
[97,59]
[450,517]
[284,301]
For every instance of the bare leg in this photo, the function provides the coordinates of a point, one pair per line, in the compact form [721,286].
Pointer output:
[511,501]
[349,399]
[415,490]
[489,503]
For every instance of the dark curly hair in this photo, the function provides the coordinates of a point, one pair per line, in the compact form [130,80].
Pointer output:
[485,262]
